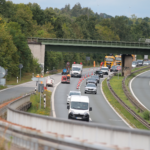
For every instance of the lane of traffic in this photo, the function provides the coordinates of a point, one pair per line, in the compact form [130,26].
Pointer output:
[141,88]
[102,112]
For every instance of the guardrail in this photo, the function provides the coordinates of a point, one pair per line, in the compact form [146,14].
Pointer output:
[129,95]
[78,133]
[90,42]
[127,107]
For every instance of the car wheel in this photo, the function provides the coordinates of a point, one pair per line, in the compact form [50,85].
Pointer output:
[69,117]
[87,120]
[95,92]
[85,92]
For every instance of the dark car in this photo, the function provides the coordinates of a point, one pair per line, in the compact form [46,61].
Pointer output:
[113,69]
[91,80]
[140,62]
[96,77]
[99,73]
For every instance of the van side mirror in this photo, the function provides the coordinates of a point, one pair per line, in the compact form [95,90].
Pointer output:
[68,107]
[90,109]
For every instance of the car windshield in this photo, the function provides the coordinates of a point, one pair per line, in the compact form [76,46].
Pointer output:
[108,59]
[79,105]
[113,67]
[93,79]
[104,68]
[145,62]
[99,72]
[94,76]
[118,58]
[140,61]
[75,69]
[74,93]
[90,85]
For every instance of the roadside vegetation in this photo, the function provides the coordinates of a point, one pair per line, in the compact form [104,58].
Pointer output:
[35,107]
[20,21]
[118,107]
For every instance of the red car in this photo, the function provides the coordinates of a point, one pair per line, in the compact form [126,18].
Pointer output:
[65,79]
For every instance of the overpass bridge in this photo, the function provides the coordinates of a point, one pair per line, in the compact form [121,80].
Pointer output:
[90,46]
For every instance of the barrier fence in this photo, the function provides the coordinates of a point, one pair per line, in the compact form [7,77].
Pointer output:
[78,133]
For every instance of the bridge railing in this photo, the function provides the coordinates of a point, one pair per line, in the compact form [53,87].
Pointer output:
[80,132]
[91,42]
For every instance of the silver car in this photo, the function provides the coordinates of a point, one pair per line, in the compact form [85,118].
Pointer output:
[95,77]
[72,93]
[105,70]
[91,80]
[146,63]
[90,88]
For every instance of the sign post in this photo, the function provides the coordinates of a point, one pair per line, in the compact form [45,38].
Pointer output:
[118,68]
[20,67]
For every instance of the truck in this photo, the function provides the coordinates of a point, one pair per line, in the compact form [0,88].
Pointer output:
[109,61]
[118,60]
[66,69]
[76,70]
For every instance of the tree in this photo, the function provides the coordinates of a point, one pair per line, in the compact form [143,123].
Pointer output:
[8,51]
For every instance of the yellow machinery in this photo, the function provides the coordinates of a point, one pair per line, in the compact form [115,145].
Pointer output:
[118,60]
[134,57]
[109,61]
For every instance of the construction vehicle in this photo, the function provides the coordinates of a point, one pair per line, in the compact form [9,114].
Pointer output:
[109,61]
[66,70]
[117,60]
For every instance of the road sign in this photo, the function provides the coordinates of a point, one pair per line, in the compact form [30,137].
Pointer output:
[20,66]
[68,63]
[41,66]
[145,56]
[38,79]
[87,58]
[2,72]
[118,68]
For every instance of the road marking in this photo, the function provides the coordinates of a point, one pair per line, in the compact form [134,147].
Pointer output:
[52,98]
[112,106]
[90,119]
[133,92]
[115,120]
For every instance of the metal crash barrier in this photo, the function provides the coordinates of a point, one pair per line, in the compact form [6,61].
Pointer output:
[86,134]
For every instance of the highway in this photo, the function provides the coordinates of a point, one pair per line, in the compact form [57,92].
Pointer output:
[140,86]
[102,113]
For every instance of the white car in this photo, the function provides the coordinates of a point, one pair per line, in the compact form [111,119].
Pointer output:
[146,63]
[49,81]
[72,93]
[105,70]
[79,108]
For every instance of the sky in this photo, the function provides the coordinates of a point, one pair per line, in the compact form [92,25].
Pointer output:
[141,8]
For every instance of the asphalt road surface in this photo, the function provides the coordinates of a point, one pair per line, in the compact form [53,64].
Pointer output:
[101,112]
[141,88]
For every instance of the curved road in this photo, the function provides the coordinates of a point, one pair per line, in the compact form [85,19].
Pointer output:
[101,111]
[141,88]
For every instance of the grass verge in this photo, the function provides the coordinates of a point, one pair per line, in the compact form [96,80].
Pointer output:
[120,109]
[2,87]
[137,68]
[35,107]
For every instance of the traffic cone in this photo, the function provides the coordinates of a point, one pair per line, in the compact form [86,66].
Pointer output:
[85,77]
[88,74]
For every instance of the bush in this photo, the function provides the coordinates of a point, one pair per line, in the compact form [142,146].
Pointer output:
[146,115]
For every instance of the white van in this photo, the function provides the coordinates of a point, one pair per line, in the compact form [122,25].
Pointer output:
[79,108]
[76,70]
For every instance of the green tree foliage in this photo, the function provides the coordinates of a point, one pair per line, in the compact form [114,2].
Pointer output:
[9,58]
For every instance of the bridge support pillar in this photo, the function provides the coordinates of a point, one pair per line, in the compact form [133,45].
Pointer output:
[126,64]
[38,51]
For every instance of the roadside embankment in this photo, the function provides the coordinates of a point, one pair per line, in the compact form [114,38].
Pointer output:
[35,107]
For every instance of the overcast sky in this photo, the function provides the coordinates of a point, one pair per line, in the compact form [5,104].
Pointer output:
[141,8]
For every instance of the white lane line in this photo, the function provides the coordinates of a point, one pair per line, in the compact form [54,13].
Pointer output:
[149,83]
[112,106]
[52,98]
[133,92]
[90,119]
